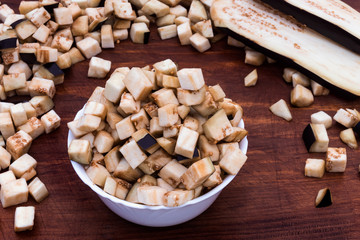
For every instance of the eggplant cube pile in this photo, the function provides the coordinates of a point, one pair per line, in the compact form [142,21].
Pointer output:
[158,136]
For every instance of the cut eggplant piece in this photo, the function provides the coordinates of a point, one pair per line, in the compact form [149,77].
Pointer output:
[284,39]
[345,118]
[333,19]
[281,109]
[314,168]
[348,137]
[155,161]
[321,118]
[323,198]
[336,160]
[145,140]
[197,173]
[315,138]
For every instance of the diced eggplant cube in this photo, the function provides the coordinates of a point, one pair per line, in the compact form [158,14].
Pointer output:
[323,198]
[89,47]
[120,35]
[63,16]
[204,28]
[14,81]
[151,195]
[254,58]
[155,161]
[123,10]
[168,144]
[348,137]
[199,42]
[301,96]
[191,78]
[197,173]
[42,104]
[314,168]
[301,79]
[172,172]
[125,171]
[167,32]
[24,218]
[207,107]
[128,104]
[168,115]
[164,96]
[336,159]
[232,161]
[97,174]
[29,109]
[217,127]
[96,109]
[186,142]
[237,136]
[138,84]
[139,33]
[14,192]
[125,128]
[177,10]
[10,56]
[63,44]
[315,138]
[5,11]
[217,92]
[98,67]
[281,109]
[41,86]
[80,151]
[103,142]
[50,121]
[345,118]
[5,158]
[6,125]
[161,183]
[38,190]
[20,67]
[214,179]
[287,75]
[114,87]
[39,16]
[89,123]
[42,34]
[251,79]
[6,177]
[133,154]
[25,29]
[155,7]
[18,144]
[166,20]
[151,109]
[197,12]
[178,197]
[321,118]
[145,140]
[18,114]
[80,27]
[46,54]
[155,128]
[107,38]
[112,159]
[318,90]
[207,149]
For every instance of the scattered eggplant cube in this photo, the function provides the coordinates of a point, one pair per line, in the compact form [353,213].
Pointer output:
[172,172]
[34,127]
[318,90]
[191,78]
[314,168]
[50,121]
[64,61]
[167,32]
[42,104]
[197,12]
[145,140]
[24,218]
[97,174]
[315,138]
[197,173]
[138,84]
[217,93]
[251,79]
[18,114]
[336,159]
[98,67]
[301,79]
[281,109]
[323,198]
[301,96]
[14,192]
[151,195]
[345,118]
[38,190]
[80,151]
[133,154]
[200,42]
[63,16]
[18,144]
[107,37]
[89,47]
[40,86]
[155,161]
[5,158]
[178,197]
[254,58]
[155,7]
[232,161]
[6,125]
[14,81]
[125,128]
[321,118]
[139,33]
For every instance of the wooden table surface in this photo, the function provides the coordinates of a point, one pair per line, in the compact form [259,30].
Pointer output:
[270,198]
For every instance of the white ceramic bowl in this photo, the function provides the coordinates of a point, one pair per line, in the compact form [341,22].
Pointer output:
[155,216]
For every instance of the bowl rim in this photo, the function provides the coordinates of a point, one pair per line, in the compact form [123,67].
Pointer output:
[86,180]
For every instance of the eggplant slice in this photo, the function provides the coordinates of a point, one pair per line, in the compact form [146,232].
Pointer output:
[283,38]
[332,18]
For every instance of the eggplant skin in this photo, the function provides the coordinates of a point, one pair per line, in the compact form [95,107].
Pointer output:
[308,137]
[357,128]
[319,24]
[291,43]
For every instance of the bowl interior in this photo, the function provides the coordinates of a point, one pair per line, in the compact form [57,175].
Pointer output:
[80,171]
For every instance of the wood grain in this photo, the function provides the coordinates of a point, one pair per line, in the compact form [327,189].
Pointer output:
[270,198]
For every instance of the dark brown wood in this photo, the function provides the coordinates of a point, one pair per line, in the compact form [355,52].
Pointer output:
[270,198]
